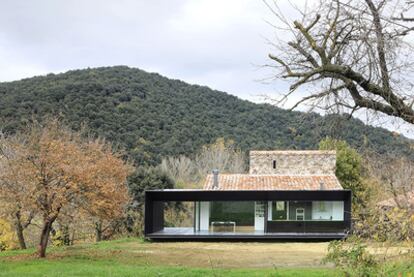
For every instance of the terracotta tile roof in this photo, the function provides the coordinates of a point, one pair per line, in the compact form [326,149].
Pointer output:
[273,182]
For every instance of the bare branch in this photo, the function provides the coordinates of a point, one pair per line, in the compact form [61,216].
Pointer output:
[355,44]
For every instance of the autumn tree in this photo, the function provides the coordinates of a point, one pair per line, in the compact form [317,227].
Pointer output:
[12,191]
[62,170]
[344,56]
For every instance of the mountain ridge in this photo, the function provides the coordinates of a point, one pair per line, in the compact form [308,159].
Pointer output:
[153,116]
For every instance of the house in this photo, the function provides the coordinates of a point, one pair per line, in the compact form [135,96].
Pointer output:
[285,195]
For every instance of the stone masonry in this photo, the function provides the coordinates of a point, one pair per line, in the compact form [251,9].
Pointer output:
[292,162]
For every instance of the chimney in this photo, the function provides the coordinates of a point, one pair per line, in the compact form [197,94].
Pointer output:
[322,185]
[215,178]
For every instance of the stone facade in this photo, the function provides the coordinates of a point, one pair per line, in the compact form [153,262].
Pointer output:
[292,162]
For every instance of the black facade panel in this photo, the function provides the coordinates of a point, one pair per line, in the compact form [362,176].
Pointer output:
[154,215]
[158,216]
[248,195]
[306,227]
[154,212]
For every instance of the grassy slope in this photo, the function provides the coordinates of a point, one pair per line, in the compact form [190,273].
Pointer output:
[69,267]
[132,257]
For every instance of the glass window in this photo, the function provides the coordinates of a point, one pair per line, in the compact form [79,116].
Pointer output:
[280,205]
[233,216]
[279,210]
[322,206]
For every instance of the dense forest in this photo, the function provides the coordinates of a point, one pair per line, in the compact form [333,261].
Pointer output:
[152,116]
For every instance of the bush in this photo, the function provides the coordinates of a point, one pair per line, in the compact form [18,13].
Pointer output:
[392,225]
[7,240]
[352,258]
[57,239]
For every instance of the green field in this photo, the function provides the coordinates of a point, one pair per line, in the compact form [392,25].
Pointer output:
[132,257]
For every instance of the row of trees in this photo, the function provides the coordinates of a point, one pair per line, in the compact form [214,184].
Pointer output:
[48,172]
[55,182]
[56,179]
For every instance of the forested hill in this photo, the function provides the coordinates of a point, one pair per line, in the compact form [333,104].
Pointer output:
[152,116]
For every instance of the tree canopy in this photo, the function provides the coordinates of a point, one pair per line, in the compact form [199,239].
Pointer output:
[153,117]
[54,171]
[349,169]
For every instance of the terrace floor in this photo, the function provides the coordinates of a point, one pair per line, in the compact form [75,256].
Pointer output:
[189,233]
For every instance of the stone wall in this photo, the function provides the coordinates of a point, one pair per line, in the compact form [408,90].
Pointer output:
[292,162]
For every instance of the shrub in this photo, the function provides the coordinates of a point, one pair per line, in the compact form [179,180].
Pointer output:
[352,258]
[7,240]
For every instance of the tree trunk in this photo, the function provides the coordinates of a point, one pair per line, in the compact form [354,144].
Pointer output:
[98,231]
[19,231]
[44,236]
[72,237]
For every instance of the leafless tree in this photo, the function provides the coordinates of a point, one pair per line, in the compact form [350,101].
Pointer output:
[222,155]
[181,169]
[397,177]
[346,55]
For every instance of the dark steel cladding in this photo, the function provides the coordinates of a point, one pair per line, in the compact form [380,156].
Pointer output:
[154,213]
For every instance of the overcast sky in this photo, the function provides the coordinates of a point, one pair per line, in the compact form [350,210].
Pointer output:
[218,43]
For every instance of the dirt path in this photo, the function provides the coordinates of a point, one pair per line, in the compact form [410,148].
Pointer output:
[235,255]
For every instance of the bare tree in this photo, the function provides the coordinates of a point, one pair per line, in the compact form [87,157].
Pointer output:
[181,169]
[347,55]
[397,178]
[222,155]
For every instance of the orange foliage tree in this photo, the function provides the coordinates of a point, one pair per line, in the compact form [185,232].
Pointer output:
[12,192]
[64,171]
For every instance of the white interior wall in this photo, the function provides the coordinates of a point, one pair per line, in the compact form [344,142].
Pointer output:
[338,210]
[204,216]
[321,214]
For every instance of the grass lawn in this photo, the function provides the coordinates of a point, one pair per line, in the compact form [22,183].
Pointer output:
[132,257]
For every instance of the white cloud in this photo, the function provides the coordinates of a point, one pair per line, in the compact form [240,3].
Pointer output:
[218,43]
